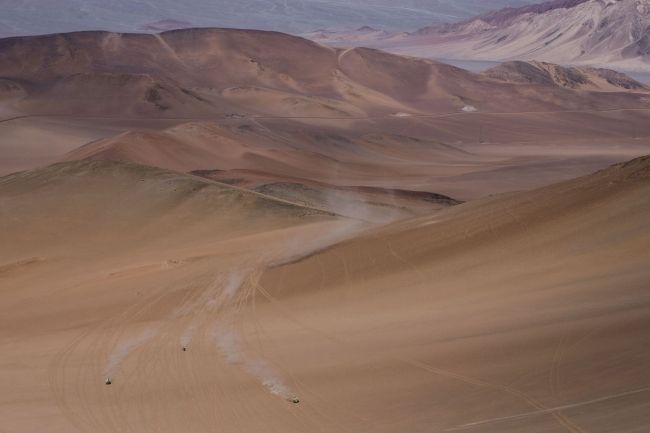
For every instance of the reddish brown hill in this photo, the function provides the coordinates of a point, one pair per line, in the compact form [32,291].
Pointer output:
[207,72]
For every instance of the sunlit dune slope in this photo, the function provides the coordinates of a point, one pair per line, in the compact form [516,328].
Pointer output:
[523,312]
[287,149]
[187,147]
[517,312]
[613,199]
[100,253]
[127,206]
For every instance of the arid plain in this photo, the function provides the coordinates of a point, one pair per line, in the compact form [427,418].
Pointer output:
[246,231]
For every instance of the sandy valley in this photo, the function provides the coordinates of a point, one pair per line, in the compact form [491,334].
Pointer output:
[214,230]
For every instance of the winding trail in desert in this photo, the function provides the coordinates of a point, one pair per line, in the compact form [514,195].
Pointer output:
[207,322]
[362,325]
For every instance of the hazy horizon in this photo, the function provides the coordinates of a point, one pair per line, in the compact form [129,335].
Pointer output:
[28,17]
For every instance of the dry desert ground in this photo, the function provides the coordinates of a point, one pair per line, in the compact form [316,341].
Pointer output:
[308,239]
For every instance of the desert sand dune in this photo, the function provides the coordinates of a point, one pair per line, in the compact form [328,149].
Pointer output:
[184,148]
[156,229]
[464,156]
[28,143]
[513,312]
[495,301]
[215,230]
[193,147]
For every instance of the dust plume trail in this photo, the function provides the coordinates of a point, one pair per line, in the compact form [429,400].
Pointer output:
[124,348]
[229,344]
[230,287]
[228,340]
[186,338]
[211,301]
[269,378]
[299,248]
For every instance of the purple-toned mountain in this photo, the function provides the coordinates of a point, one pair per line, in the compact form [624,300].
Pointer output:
[197,73]
[505,16]
[610,33]
[615,33]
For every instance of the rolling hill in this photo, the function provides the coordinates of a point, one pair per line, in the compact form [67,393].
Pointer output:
[535,302]
[207,73]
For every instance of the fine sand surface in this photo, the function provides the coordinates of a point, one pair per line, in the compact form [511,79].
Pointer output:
[306,239]
[520,312]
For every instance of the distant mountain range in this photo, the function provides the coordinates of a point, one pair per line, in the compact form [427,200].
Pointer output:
[203,73]
[615,33]
[27,17]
